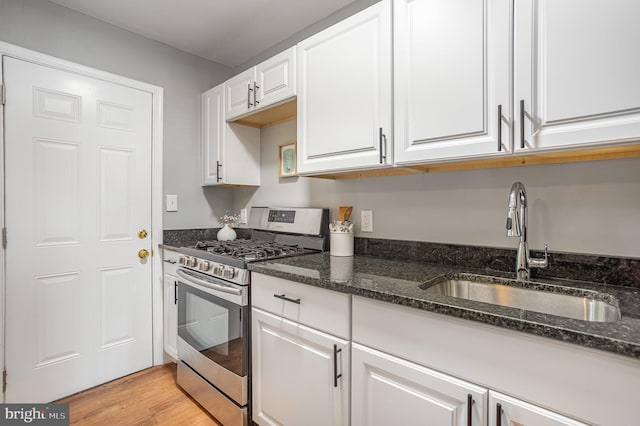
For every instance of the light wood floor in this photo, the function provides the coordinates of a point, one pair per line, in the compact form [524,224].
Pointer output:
[149,397]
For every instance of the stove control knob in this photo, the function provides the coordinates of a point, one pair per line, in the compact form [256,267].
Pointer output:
[203,265]
[228,273]
[191,261]
[182,260]
[217,270]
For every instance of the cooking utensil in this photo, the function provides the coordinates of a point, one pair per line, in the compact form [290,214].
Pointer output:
[344,213]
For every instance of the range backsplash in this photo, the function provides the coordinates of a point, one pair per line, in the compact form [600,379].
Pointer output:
[582,267]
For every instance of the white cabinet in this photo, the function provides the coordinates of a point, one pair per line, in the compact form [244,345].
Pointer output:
[344,94]
[230,152]
[505,410]
[544,372]
[387,390]
[451,79]
[485,79]
[300,353]
[576,85]
[300,375]
[269,83]
[170,297]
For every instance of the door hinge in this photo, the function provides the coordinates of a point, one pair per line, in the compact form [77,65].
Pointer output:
[4,381]
[4,238]
[4,94]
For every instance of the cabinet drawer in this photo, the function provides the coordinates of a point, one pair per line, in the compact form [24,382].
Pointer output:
[169,261]
[319,308]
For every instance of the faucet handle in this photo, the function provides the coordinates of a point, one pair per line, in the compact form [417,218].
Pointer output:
[540,263]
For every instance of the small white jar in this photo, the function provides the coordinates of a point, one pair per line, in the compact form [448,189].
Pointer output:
[341,238]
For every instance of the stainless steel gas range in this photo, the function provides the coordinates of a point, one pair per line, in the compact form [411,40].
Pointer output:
[214,305]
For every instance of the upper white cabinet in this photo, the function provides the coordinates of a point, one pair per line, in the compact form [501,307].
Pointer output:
[576,72]
[262,86]
[344,95]
[452,79]
[230,152]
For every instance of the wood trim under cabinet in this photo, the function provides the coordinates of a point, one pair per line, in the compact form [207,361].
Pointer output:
[569,156]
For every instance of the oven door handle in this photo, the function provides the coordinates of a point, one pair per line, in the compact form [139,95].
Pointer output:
[208,284]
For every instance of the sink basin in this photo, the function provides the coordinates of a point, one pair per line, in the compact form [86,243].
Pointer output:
[586,307]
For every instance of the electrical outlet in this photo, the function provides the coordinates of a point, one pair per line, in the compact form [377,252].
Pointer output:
[172,203]
[366,221]
[243,216]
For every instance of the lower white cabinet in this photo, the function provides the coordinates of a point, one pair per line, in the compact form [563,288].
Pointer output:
[505,410]
[170,296]
[300,375]
[387,390]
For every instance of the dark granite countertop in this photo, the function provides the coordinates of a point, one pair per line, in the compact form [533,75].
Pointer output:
[399,282]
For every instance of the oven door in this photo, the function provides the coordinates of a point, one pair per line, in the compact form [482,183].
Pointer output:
[213,331]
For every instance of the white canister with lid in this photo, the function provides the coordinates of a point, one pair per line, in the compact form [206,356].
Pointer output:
[341,238]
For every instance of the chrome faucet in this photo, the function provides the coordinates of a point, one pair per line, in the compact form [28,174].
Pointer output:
[517,227]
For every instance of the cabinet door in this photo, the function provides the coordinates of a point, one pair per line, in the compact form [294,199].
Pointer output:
[170,316]
[213,135]
[576,72]
[239,96]
[344,94]
[451,78]
[388,390]
[296,374]
[513,412]
[276,79]
[170,308]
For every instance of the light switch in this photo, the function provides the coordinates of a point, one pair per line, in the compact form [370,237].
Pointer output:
[243,216]
[172,203]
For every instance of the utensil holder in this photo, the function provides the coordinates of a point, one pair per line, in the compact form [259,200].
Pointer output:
[341,243]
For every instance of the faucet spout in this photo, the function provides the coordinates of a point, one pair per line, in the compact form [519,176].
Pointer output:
[517,227]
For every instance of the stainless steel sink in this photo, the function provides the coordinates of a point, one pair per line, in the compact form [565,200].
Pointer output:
[586,307]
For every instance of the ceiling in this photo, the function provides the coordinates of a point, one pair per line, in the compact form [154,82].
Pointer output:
[229,32]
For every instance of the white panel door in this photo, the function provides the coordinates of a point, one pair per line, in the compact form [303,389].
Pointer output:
[78,190]
[344,94]
[452,79]
[576,73]
[387,390]
[276,79]
[514,412]
[295,372]
[239,94]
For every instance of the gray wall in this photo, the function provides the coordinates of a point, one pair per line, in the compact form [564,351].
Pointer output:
[591,207]
[338,16]
[52,29]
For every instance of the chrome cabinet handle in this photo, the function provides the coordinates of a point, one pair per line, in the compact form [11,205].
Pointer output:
[218,165]
[255,93]
[175,292]
[284,297]
[499,128]
[336,376]
[522,140]
[383,143]
[249,90]
[469,409]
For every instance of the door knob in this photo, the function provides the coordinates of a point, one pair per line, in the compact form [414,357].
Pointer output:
[143,253]
[142,234]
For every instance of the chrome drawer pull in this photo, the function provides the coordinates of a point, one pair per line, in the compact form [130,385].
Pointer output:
[283,297]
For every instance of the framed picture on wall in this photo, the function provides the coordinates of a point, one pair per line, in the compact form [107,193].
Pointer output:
[287,163]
